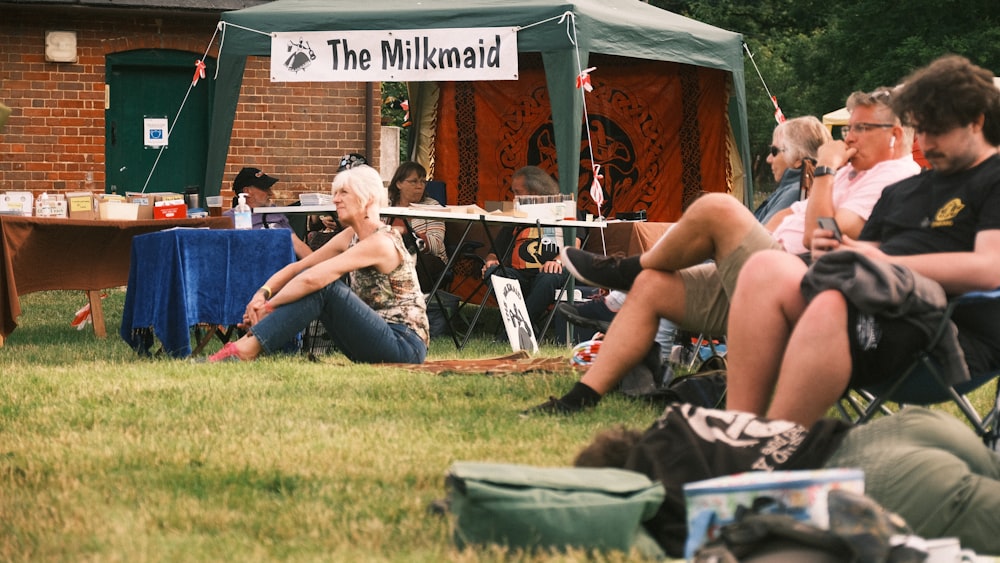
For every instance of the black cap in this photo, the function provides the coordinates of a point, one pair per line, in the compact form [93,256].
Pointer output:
[253,177]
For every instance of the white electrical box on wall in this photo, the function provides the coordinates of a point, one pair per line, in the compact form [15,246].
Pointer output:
[60,46]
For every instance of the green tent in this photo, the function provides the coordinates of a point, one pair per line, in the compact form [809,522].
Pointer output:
[625,28]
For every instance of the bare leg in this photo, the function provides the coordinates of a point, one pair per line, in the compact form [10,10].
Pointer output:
[817,364]
[763,312]
[712,227]
[655,294]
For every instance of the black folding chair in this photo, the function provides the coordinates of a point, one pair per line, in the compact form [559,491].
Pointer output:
[925,382]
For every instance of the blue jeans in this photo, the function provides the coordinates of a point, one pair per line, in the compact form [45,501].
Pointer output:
[357,330]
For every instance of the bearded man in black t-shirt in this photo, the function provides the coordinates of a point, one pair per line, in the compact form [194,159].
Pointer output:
[791,357]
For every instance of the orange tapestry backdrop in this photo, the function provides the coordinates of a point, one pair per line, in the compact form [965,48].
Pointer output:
[659,132]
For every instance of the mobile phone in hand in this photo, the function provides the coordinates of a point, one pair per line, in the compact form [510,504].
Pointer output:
[830,224]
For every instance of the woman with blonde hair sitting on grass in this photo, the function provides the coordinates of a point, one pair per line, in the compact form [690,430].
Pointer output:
[377,316]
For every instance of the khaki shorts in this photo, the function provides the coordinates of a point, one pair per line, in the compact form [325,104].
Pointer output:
[708,287]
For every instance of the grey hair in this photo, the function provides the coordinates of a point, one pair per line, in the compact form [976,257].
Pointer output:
[877,98]
[537,181]
[802,137]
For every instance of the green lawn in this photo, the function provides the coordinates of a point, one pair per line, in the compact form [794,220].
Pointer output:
[106,456]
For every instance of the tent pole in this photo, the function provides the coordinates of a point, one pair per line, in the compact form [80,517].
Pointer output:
[369,133]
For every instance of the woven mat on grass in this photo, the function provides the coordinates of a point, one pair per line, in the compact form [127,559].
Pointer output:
[516,363]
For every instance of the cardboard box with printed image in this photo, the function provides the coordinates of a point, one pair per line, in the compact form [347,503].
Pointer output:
[169,206]
[51,205]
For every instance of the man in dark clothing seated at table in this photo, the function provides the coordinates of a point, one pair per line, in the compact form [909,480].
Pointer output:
[534,258]
[257,187]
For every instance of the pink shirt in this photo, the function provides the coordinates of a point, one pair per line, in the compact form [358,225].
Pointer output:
[855,191]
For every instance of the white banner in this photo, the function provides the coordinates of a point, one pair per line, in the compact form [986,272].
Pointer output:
[486,53]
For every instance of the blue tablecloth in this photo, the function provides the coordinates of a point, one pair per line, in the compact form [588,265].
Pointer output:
[181,277]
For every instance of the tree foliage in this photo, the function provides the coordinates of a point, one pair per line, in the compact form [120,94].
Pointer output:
[812,54]
[394,94]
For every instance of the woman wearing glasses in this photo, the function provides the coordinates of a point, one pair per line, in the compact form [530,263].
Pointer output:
[406,188]
[792,143]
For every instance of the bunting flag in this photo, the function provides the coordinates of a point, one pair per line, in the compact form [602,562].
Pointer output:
[81,318]
[779,116]
[660,134]
[199,72]
[583,80]
[596,191]
[405,106]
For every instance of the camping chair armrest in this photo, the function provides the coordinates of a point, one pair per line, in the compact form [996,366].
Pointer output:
[962,300]
[977,296]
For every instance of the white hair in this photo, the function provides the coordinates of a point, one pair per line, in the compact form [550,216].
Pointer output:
[366,183]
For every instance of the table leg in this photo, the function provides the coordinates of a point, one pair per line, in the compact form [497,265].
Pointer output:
[225,333]
[97,313]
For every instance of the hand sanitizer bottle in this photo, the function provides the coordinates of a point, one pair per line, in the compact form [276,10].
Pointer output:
[242,218]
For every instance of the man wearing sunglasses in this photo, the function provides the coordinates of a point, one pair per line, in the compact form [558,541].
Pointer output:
[672,280]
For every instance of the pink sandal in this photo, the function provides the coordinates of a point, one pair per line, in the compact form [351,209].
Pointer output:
[228,353]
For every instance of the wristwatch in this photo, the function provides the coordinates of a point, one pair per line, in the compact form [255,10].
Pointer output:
[823,171]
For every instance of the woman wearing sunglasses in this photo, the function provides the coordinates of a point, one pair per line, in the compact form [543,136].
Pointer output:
[792,143]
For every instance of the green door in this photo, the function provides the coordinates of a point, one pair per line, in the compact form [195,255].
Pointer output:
[147,88]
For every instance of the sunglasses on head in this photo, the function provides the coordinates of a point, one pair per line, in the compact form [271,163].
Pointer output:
[352,160]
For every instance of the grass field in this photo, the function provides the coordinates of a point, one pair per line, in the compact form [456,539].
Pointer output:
[108,457]
[105,456]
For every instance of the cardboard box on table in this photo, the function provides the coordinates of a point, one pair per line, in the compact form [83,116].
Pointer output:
[53,205]
[81,205]
[501,206]
[113,207]
[17,202]
[170,206]
[146,202]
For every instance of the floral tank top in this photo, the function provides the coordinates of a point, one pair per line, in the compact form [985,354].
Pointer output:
[395,296]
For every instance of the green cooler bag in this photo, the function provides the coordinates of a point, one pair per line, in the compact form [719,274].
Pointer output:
[527,507]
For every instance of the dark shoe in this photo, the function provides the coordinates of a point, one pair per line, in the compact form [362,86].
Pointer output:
[553,406]
[573,315]
[612,272]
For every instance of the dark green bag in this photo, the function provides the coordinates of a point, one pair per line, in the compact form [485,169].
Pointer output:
[527,507]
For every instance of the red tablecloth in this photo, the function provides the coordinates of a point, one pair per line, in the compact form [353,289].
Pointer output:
[39,253]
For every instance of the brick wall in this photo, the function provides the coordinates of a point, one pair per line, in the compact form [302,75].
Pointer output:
[54,138]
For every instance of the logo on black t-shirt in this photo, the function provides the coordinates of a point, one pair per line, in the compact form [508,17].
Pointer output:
[945,216]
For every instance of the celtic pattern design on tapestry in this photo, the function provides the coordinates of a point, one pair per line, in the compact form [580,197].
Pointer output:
[626,139]
[468,150]
[519,140]
[690,136]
